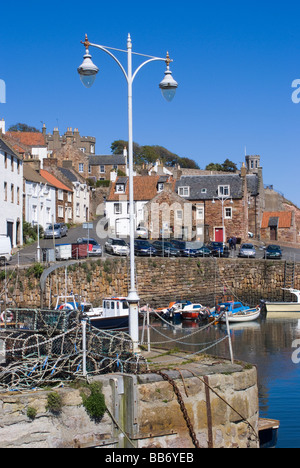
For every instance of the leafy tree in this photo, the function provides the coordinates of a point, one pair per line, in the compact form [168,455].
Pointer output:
[21,127]
[149,154]
[214,167]
[227,166]
[188,163]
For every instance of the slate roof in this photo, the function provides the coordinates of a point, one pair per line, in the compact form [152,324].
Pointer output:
[211,183]
[68,174]
[112,159]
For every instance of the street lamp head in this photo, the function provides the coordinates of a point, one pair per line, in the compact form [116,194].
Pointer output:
[168,85]
[87,70]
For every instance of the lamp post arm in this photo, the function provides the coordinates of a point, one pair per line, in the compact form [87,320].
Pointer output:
[111,55]
[154,59]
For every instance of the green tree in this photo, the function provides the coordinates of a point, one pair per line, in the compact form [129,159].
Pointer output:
[227,166]
[21,127]
[150,153]
[214,167]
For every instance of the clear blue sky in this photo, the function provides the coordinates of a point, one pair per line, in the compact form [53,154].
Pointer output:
[234,61]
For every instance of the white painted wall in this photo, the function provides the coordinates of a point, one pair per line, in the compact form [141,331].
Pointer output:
[11,195]
[39,203]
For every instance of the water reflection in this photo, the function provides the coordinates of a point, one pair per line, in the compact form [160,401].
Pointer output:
[266,344]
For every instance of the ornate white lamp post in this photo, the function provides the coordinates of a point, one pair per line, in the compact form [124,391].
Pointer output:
[168,86]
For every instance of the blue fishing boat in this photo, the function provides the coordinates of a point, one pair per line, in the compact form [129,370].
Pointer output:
[236,312]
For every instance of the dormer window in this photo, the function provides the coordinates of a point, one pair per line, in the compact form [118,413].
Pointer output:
[223,191]
[184,191]
[120,188]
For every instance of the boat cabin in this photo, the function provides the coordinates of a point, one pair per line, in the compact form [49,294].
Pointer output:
[115,306]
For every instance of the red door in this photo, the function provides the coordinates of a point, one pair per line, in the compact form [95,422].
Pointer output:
[219,234]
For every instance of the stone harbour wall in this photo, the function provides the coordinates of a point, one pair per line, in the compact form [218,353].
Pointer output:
[143,412]
[159,281]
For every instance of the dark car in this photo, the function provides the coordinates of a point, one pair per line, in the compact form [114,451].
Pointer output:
[166,249]
[191,249]
[184,248]
[219,249]
[204,251]
[273,251]
[144,248]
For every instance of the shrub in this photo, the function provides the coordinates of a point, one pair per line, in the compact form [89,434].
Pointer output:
[94,403]
[31,413]
[54,403]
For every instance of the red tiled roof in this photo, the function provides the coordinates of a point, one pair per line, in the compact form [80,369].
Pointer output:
[28,138]
[144,188]
[53,180]
[285,218]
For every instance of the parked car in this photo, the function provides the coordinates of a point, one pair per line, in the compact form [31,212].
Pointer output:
[141,233]
[116,246]
[166,249]
[143,247]
[218,249]
[5,250]
[204,251]
[57,231]
[94,248]
[273,251]
[186,249]
[247,251]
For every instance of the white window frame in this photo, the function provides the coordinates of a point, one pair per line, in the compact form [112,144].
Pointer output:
[102,169]
[184,191]
[60,194]
[120,188]
[80,167]
[179,215]
[200,212]
[60,211]
[228,214]
[224,191]
[117,208]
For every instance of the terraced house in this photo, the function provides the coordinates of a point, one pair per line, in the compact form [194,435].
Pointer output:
[11,199]
[227,205]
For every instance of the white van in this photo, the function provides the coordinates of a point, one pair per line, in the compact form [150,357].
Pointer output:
[5,249]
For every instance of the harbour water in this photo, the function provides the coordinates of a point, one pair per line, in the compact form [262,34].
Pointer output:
[268,344]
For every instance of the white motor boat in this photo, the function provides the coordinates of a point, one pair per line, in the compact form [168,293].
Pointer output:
[114,315]
[285,306]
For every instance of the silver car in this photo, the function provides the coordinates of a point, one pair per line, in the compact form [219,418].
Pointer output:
[57,231]
[116,246]
[247,251]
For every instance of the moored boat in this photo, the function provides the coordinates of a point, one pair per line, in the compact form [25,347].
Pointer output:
[114,313]
[285,306]
[236,312]
[194,311]
[243,316]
